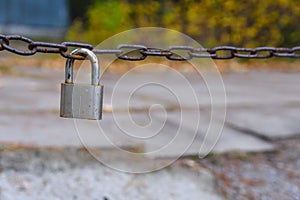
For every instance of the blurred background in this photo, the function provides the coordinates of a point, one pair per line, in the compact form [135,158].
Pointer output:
[242,23]
[211,23]
[256,157]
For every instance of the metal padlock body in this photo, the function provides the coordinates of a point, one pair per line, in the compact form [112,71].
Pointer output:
[82,101]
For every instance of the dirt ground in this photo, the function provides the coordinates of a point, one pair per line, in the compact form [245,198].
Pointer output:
[269,175]
[55,62]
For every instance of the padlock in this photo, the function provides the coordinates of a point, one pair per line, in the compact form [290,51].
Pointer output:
[83,101]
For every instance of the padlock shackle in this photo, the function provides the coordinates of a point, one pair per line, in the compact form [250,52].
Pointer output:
[94,62]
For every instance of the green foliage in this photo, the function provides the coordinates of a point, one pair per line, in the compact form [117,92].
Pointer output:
[215,22]
[104,19]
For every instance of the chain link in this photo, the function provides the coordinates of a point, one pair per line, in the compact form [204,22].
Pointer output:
[45,47]
[6,45]
[134,48]
[134,52]
[185,51]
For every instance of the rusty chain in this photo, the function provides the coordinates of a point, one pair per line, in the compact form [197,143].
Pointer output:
[171,53]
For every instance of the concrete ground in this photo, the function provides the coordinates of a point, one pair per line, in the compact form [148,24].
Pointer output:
[74,174]
[262,110]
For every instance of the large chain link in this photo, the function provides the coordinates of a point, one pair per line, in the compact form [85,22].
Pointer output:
[141,52]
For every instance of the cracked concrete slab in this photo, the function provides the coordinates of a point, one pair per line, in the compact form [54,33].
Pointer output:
[271,123]
[227,140]
[261,88]
[30,104]
[27,93]
[48,129]
[158,138]
[39,89]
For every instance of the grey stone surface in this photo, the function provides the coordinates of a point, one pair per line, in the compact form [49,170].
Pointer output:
[268,122]
[242,89]
[225,141]
[29,93]
[35,86]
[262,88]
[159,139]
[71,174]
[261,104]
[48,129]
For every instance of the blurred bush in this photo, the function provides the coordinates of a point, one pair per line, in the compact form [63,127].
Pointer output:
[248,23]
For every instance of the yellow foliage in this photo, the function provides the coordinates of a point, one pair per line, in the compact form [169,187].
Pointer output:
[215,22]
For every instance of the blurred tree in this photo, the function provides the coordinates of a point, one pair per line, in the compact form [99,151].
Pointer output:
[216,22]
[78,9]
[104,19]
